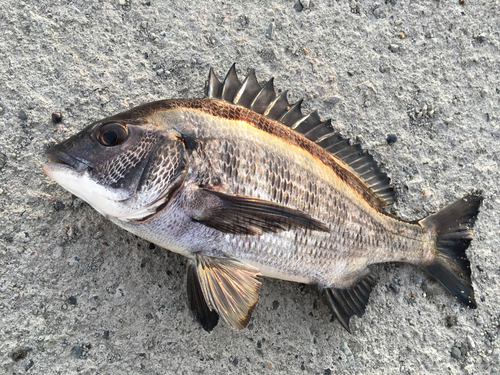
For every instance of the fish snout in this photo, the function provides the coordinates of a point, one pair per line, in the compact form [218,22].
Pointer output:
[57,155]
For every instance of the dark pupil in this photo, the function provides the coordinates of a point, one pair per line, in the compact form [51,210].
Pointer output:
[109,137]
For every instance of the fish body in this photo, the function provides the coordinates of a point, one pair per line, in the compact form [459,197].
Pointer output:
[245,185]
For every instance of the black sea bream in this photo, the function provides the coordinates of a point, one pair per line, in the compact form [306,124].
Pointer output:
[244,184]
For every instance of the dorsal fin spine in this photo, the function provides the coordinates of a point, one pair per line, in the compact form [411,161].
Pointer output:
[213,87]
[231,85]
[249,88]
[275,109]
[265,97]
[293,114]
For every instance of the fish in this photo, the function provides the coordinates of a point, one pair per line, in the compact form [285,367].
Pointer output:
[246,186]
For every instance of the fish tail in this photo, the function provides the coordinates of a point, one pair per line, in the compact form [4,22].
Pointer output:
[453,228]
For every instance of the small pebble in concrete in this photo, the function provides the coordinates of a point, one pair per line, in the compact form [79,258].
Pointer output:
[333,99]
[105,335]
[298,7]
[379,12]
[77,349]
[72,300]
[395,288]
[391,139]
[235,361]
[28,365]
[275,304]
[56,117]
[22,115]
[270,30]
[394,48]
[455,352]
[58,206]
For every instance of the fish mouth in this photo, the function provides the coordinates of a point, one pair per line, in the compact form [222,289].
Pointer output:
[61,159]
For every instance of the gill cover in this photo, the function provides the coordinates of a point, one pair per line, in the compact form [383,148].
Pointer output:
[126,170]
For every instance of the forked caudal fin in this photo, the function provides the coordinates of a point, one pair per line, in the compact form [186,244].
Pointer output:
[453,227]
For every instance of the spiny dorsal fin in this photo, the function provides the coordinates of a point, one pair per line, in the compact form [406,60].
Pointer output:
[264,101]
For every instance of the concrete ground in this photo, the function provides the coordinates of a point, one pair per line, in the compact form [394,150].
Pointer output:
[78,295]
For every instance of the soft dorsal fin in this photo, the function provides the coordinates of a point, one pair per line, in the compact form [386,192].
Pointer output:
[263,100]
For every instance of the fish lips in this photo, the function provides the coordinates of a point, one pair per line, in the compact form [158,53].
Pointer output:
[59,159]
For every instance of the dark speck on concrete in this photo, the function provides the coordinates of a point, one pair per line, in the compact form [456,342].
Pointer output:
[149,316]
[56,117]
[72,300]
[259,344]
[298,7]
[19,353]
[3,159]
[28,365]
[152,246]
[302,367]
[391,139]
[235,361]
[58,206]
[250,326]
[451,320]
[328,372]
[78,351]
[105,335]
[275,304]
[22,115]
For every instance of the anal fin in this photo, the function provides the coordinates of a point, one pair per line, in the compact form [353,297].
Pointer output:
[229,287]
[345,303]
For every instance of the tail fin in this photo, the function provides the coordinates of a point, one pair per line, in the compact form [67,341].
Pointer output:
[453,227]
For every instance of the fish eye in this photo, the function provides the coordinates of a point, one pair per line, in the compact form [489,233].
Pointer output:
[112,134]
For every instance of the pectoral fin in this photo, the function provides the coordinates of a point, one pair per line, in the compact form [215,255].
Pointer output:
[230,288]
[345,303]
[208,318]
[239,214]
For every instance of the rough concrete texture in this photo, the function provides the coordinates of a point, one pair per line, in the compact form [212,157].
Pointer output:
[79,295]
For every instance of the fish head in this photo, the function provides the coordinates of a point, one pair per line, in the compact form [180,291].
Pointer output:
[126,169]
